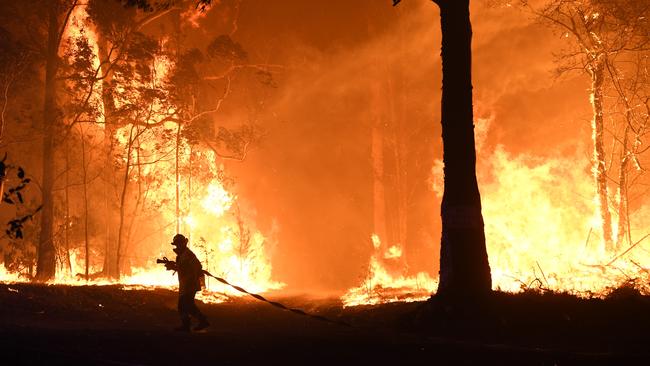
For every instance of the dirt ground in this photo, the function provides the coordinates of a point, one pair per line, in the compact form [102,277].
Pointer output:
[109,325]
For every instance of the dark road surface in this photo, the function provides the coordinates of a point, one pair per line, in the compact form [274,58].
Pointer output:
[48,325]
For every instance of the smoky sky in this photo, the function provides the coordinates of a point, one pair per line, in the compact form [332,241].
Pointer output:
[308,183]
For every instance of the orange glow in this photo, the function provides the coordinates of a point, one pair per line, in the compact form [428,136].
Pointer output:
[542,230]
[541,233]
[382,286]
[207,214]
[314,175]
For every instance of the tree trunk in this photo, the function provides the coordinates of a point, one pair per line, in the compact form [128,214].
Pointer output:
[110,257]
[178,181]
[377,157]
[189,193]
[388,147]
[600,170]
[85,197]
[125,184]
[46,264]
[66,227]
[390,158]
[622,191]
[134,216]
[464,266]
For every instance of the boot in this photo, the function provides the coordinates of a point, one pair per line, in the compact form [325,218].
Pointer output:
[203,325]
[185,326]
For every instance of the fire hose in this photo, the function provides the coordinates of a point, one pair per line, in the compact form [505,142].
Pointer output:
[262,298]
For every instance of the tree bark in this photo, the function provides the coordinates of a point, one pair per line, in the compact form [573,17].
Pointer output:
[464,266]
[597,73]
[46,264]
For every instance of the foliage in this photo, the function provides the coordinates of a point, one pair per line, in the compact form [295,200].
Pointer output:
[153,5]
[20,253]
[14,196]
[225,48]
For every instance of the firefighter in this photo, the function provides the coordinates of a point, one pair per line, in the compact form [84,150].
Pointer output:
[190,279]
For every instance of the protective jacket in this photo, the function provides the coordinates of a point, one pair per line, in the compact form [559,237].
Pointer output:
[190,271]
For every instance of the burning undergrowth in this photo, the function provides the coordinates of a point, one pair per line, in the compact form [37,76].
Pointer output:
[541,232]
[387,281]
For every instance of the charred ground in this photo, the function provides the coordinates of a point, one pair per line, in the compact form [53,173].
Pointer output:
[109,325]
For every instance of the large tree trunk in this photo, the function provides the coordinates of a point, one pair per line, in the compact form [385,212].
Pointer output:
[600,170]
[464,267]
[46,265]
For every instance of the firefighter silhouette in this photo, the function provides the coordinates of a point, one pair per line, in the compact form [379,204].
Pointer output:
[190,280]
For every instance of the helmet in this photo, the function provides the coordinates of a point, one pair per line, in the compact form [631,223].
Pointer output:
[179,240]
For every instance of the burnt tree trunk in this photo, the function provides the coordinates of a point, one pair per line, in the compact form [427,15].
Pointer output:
[597,73]
[46,264]
[464,267]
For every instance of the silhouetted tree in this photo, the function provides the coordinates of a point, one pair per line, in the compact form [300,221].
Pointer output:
[464,266]
[21,58]
[46,264]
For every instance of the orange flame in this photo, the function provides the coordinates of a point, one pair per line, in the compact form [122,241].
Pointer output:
[541,232]
[380,286]
[227,246]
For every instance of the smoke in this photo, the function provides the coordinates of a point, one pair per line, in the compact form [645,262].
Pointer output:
[347,65]
[347,70]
